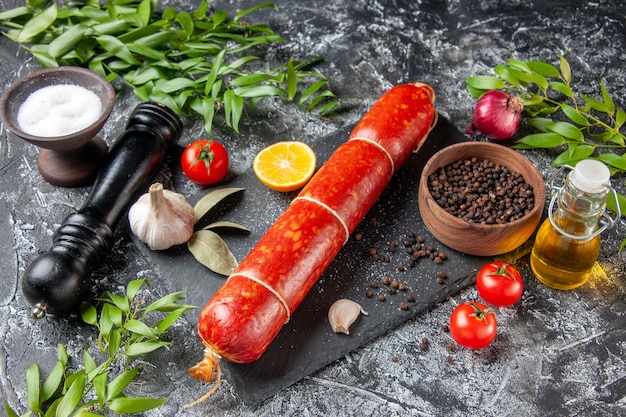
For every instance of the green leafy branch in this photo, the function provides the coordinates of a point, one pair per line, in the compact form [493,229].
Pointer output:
[124,333]
[579,125]
[193,63]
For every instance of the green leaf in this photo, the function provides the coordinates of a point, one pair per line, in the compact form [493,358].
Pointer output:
[16,12]
[53,382]
[574,115]
[608,101]
[119,384]
[100,386]
[614,160]
[566,130]
[566,72]
[485,82]
[519,65]
[233,109]
[620,118]
[251,79]
[133,288]
[73,396]
[186,22]
[33,386]
[171,318]
[38,24]
[596,104]
[114,342]
[543,68]
[142,348]
[106,323]
[561,88]
[503,72]
[540,123]
[259,91]
[10,412]
[89,314]
[211,199]
[166,303]
[144,11]
[139,327]
[89,364]
[543,140]
[124,405]
[292,81]
[68,40]
[246,12]
[146,51]
[117,48]
[211,251]
[573,155]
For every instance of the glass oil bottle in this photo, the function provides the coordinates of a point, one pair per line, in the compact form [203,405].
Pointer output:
[567,244]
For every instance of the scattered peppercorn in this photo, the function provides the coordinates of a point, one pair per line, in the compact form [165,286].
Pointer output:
[451,347]
[385,280]
[358,236]
[381,297]
[449,359]
[410,298]
[369,293]
[445,328]
[373,284]
[404,306]
[394,358]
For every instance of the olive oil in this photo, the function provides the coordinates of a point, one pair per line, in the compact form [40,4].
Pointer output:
[567,244]
[560,262]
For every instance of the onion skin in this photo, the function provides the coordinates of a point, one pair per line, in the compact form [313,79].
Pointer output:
[496,115]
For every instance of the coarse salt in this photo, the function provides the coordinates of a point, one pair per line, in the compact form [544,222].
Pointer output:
[58,110]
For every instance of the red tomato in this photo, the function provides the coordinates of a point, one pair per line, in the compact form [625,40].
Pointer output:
[499,284]
[473,325]
[205,161]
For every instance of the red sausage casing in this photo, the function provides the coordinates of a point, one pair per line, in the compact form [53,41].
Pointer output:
[244,316]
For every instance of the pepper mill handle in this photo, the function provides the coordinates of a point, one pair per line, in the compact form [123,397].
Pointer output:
[59,279]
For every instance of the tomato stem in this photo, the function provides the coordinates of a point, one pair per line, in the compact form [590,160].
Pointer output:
[478,313]
[502,271]
[205,155]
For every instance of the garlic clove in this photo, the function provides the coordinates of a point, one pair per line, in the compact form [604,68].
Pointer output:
[343,313]
[162,218]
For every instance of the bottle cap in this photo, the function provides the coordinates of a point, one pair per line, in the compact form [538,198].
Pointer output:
[591,176]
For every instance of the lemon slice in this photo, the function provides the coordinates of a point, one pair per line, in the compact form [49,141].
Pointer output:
[285,166]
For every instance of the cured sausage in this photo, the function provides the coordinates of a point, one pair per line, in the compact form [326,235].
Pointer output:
[246,313]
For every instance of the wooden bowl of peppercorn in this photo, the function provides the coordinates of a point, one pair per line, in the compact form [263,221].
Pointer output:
[481,198]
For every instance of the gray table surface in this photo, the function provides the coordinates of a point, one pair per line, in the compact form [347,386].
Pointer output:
[556,353]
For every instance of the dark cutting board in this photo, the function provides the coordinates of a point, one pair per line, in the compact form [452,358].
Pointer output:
[307,342]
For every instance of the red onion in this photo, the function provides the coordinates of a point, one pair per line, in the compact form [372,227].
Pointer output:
[496,115]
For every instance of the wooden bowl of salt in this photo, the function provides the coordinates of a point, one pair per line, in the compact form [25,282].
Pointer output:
[61,110]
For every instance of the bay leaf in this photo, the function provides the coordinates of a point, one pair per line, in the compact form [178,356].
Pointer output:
[211,251]
[226,224]
[209,201]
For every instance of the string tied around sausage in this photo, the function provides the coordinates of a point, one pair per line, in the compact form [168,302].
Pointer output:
[328,209]
[270,289]
[379,146]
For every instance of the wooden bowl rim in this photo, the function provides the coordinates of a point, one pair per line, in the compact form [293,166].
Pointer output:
[62,73]
[435,163]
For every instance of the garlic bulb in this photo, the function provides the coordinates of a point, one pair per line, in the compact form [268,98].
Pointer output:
[162,218]
[343,313]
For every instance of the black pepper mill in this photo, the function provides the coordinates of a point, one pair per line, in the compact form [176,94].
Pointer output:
[58,280]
